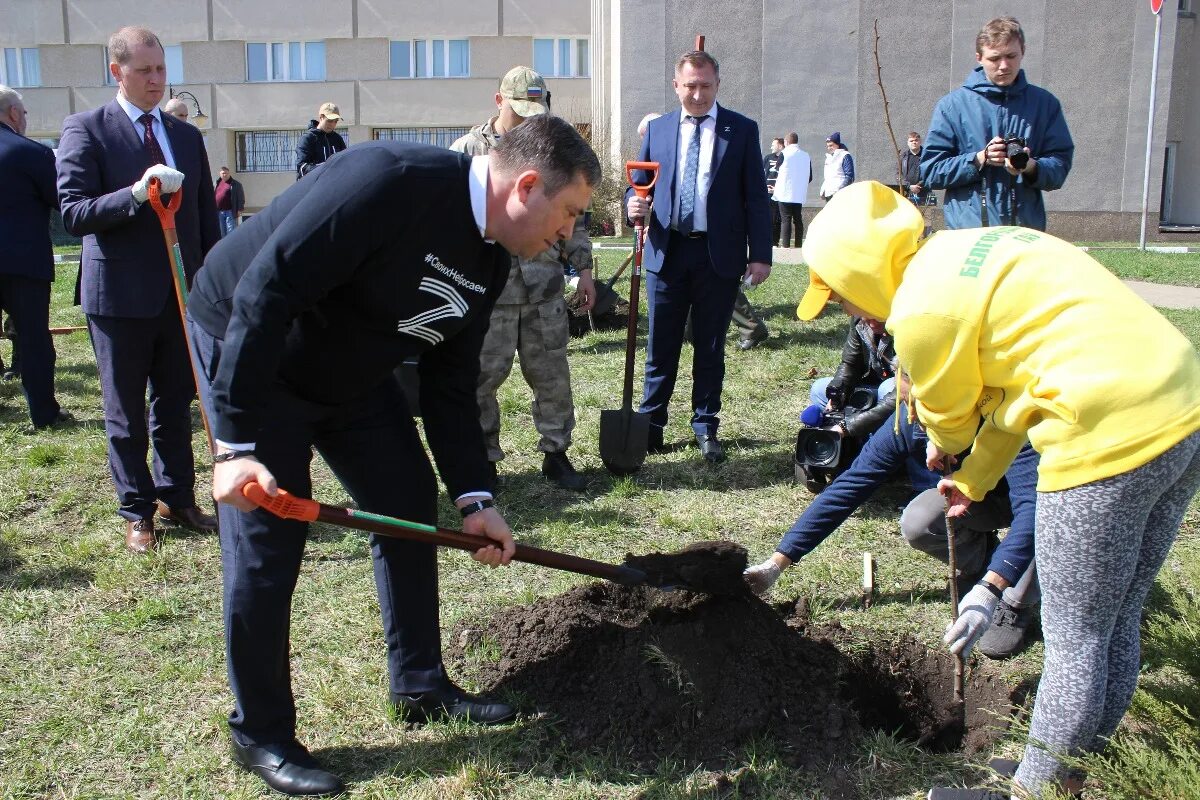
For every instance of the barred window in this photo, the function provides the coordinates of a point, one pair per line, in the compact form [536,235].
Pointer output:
[440,137]
[270,151]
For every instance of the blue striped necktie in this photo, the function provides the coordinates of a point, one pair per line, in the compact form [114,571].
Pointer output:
[691,166]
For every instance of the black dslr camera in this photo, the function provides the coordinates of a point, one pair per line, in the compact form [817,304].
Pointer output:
[1014,147]
[821,453]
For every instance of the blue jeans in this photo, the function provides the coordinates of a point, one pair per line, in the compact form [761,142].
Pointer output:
[226,221]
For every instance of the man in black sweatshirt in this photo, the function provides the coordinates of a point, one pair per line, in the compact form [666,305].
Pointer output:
[320,141]
[390,250]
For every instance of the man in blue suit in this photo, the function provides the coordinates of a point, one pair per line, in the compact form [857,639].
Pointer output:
[27,170]
[106,160]
[711,229]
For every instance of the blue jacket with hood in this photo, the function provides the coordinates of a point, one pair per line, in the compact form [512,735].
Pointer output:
[965,120]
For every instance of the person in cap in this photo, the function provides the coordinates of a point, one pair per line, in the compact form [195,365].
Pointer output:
[321,141]
[530,317]
[1010,335]
[839,166]
[391,251]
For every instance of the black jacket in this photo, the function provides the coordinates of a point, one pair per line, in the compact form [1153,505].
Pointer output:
[866,362]
[771,163]
[373,259]
[25,205]
[316,146]
[237,195]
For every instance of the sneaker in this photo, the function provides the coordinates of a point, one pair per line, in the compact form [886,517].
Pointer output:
[1006,636]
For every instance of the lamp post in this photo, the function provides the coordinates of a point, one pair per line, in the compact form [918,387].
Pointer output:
[199,117]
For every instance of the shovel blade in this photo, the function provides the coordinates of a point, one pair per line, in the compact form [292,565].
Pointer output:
[624,434]
[606,298]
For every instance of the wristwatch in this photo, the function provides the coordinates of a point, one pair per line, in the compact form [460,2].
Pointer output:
[478,505]
[230,455]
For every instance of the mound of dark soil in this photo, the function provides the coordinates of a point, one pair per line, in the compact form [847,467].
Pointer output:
[712,567]
[650,674]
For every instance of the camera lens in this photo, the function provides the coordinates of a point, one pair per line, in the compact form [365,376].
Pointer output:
[819,448]
[1017,155]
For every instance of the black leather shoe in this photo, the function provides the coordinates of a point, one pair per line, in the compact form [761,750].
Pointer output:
[450,702]
[60,419]
[287,767]
[558,469]
[710,448]
[654,440]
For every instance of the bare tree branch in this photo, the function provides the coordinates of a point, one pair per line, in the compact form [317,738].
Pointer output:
[887,117]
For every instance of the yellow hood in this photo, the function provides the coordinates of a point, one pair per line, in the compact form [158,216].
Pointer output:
[861,243]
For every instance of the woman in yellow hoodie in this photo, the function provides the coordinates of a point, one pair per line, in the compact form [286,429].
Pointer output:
[1011,334]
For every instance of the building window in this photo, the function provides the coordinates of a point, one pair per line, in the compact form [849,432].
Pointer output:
[173,55]
[21,67]
[440,137]
[285,61]
[431,58]
[270,151]
[562,58]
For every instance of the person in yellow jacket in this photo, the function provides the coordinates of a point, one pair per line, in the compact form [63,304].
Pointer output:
[1011,334]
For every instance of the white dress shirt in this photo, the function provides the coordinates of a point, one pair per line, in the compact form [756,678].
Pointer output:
[708,140]
[160,130]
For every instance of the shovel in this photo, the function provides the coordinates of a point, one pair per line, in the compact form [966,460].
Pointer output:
[624,434]
[166,217]
[288,506]
[606,298]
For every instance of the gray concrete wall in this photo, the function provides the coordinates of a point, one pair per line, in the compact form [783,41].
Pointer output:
[810,68]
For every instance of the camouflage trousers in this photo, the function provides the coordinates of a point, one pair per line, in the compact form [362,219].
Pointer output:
[537,333]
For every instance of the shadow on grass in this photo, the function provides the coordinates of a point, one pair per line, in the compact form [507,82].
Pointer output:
[64,576]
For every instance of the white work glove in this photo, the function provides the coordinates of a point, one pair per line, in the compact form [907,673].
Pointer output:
[171,180]
[974,618]
[761,577]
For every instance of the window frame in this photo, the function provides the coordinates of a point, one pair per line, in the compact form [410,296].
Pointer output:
[270,61]
[436,135]
[557,43]
[285,152]
[20,81]
[428,69]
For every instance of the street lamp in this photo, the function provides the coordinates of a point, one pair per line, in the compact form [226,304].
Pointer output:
[199,117]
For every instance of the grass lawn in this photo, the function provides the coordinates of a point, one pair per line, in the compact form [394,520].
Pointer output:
[113,671]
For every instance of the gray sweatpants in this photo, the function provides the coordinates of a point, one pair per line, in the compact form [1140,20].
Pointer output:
[1098,548]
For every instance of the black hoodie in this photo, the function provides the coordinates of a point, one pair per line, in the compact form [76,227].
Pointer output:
[315,147]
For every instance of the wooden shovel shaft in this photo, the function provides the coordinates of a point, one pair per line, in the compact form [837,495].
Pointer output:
[631,327]
[952,551]
[289,506]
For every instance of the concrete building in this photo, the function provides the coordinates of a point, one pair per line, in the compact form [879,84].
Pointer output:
[810,67]
[416,70]
[403,69]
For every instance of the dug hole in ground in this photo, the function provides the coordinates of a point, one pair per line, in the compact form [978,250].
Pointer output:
[640,675]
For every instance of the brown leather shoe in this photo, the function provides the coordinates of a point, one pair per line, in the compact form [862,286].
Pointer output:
[190,518]
[139,535]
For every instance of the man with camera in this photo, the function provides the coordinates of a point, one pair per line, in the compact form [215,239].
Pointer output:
[868,367]
[997,142]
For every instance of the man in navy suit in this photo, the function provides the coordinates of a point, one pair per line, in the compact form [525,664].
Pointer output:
[106,160]
[27,170]
[710,230]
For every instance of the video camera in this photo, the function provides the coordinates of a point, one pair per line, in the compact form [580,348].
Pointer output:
[1014,147]
[822,453]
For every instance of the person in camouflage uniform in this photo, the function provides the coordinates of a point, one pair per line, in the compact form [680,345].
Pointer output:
[530,316]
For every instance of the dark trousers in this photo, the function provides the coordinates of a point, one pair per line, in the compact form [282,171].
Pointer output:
[792,220]
[27,301]
[687,283]
[372,447]
[131,354]
[776,218]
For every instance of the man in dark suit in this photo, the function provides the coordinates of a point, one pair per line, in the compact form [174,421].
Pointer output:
[106,160]
[389,251]
[27,268]
[710,229]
